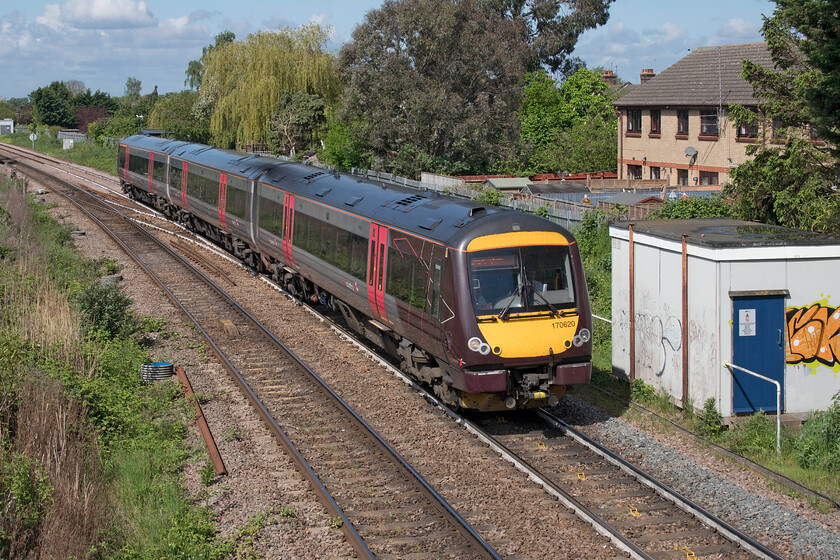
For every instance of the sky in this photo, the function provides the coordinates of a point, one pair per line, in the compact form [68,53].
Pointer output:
[104,42]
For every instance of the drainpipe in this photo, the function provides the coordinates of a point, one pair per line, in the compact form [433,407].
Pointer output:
[632,374]
[684,322]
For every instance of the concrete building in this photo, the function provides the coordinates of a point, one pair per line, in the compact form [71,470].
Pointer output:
[675,125]
[7,126]
[688,295]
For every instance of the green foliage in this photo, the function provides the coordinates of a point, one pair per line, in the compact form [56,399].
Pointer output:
[342,148]
[444,77]
[642,392]
[693,207]
[173,113]
[570,127]
[812,27]
[543,211]
[244,81]
[554,27]
[25,497]
[791,180]
[790,187]
[709,422]
[208,473]
[818,447]
[488,195]
[754,438]
[195,68]
[52,105]
[105,310]
[297,119]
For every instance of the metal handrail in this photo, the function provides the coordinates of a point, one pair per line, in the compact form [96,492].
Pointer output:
[730,366]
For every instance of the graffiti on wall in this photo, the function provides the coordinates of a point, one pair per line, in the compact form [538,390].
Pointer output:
[813,335]
[657,342]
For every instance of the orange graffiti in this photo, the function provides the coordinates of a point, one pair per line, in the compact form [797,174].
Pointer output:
[813,335]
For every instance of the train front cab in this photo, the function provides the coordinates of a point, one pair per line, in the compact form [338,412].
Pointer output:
[528,320]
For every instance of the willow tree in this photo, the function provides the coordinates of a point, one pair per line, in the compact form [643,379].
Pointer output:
[245,80]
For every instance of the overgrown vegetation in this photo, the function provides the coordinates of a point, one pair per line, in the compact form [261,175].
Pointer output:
[99,157]
[90,456]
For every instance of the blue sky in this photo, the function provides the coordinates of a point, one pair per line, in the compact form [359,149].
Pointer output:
[103,42]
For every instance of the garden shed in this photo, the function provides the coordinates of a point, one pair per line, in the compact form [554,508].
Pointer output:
[689,295]
[7,126]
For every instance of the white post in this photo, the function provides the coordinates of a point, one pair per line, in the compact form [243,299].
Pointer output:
[730,366]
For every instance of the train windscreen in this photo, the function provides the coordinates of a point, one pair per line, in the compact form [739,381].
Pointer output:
[517,280]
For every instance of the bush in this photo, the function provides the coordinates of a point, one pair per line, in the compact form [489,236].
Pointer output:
[642,392]
[105,311]
[709,422]
[818,447]
[756,437]
[25,496]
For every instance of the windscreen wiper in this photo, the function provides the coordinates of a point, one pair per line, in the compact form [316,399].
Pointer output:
[553,309]
[504,311]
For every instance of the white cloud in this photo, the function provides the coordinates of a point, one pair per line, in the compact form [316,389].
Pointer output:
[97,14]
[736,30]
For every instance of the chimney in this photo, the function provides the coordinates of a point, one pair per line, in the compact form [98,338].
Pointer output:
[608,77]
[646,75]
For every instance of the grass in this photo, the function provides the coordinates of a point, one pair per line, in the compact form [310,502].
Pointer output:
[70,390]
[103,158]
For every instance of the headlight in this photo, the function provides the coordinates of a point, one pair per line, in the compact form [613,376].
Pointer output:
[585,335]
[476,345]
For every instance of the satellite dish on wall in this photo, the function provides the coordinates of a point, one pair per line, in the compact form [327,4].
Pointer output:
[691,152]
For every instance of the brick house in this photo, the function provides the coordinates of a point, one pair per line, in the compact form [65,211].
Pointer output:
[674,125]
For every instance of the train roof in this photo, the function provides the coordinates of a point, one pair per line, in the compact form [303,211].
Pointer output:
[429,214]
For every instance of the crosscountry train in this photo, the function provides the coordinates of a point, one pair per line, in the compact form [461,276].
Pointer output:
[487,306]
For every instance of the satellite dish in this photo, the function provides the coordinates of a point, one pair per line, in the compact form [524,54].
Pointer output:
[691,151]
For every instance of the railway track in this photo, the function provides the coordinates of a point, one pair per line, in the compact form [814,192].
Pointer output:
[641,517]
[383,506]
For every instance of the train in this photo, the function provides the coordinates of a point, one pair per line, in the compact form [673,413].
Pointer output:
[486,306]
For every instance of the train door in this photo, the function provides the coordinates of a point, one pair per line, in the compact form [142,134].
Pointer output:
[758,345]
[377,254]
[288,227]
[184,170]
[151,171]
[223,200]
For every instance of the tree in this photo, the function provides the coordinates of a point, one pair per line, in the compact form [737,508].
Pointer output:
[554,26]
[195,68]
[295,121]
[693,207]
[434,85]
[51,105]
[75,87]
[792,181]
[813,28]
[173,113]
[244,80]
[7,110]
[568,128]
[132,88]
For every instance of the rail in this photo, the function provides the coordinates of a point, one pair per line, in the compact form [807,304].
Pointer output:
[730,366]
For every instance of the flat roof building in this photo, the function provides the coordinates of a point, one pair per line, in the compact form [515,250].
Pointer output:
[689,295]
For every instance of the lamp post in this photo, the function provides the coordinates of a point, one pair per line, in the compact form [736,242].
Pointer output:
[141,121]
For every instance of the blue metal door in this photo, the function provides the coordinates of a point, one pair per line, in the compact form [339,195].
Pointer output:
[758,325]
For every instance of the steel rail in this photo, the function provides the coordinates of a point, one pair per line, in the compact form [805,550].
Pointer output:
[455,520]
[708,518]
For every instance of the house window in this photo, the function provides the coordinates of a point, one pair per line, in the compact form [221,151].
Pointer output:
[682,123]
[708,178]
[708,122]
[634,171]
[778,128]
[634,120]
[682,177]
[748,130]
[655,172]
[655,121]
